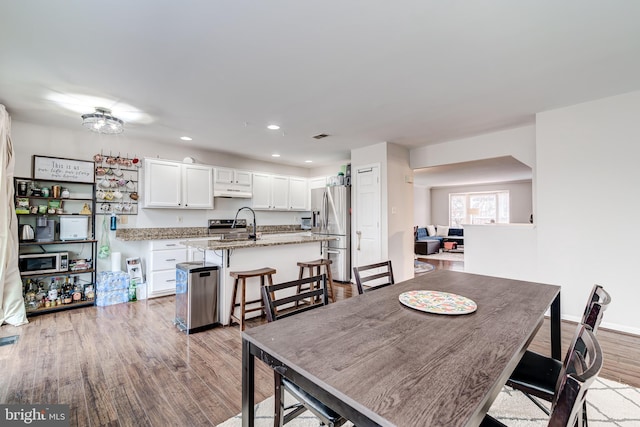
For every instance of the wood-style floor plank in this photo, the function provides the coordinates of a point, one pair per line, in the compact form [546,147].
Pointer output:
[128,365]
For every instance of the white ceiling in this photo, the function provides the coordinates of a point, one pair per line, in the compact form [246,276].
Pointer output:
[413,72]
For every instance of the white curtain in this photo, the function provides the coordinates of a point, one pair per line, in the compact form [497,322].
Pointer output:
[12,309]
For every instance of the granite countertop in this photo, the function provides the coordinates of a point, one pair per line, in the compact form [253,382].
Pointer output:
[131,234]
[266,240]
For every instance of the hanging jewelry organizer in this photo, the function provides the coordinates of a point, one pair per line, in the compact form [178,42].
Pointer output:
[116,184]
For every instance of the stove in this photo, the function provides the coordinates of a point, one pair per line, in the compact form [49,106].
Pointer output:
[221,228]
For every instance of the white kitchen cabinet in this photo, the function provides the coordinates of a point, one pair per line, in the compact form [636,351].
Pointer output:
[298,194]
[162,257]
[176,185]
[197,186]
[230,181]
[280,192]
[270,192]
[317,182]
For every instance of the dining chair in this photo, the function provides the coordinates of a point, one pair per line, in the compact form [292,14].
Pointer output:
[537,375]
[287,299]
[369,276]
[581,367]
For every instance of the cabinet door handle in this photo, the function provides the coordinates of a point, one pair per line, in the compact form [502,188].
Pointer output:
[170,259]
[171,244]
[170,280]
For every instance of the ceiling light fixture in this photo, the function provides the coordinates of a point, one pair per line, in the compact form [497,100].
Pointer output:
[275,155]
[273,127]
[186,138]
[308,161]
[102,122]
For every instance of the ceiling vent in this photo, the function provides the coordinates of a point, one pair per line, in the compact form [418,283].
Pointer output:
[320,136]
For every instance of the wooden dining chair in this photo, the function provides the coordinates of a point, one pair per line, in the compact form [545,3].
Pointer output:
[283,300]
[365,274]
[537,375]
[580,369]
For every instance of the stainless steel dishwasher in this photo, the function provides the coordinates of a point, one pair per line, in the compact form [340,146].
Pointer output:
[196,296]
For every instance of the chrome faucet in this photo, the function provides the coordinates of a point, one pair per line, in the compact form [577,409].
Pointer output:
[233,225]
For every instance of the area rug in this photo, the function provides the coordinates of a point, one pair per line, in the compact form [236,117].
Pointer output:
[609,404]
[421,267]
[444,256]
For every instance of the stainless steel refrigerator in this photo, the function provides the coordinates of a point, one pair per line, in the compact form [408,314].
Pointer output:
[331,215]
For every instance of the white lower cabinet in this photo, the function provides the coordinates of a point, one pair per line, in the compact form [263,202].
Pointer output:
[163,255]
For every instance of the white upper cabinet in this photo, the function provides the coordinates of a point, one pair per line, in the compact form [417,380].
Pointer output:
[177,185]
[280,192]
[270,192]
[298,194]
[232,183]
[261,191]
[317,182]
[197,186]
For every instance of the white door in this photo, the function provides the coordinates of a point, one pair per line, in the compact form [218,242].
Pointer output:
[366,238]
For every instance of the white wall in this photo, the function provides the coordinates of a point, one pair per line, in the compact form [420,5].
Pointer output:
[400,212]
[502,250]
[585,186]
[421,205]
[518,142]
[520,200]
[587,203]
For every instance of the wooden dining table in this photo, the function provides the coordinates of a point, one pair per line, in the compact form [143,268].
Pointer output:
[376,361]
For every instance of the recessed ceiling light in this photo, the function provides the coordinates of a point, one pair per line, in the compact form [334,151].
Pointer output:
[275,155]
[273,127]
[186,138]
[308,161]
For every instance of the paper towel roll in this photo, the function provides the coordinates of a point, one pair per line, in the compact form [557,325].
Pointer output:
[116,261]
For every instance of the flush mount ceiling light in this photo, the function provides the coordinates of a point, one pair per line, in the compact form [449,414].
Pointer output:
[186,138]
[273,127]
[102,122]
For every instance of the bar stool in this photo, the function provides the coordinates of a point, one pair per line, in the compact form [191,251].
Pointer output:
[243,276]
[318,264]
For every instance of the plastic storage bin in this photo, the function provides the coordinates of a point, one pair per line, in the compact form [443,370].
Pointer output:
[112,287]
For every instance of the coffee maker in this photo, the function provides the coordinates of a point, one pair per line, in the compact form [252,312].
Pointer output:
[45,229]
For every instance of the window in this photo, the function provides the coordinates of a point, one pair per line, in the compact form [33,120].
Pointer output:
[478,208]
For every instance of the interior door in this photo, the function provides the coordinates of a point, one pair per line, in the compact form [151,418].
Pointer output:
[366,238]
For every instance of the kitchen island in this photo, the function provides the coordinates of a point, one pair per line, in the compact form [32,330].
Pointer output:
[279,251]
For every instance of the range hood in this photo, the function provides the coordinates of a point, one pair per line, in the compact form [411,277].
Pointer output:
[232,193]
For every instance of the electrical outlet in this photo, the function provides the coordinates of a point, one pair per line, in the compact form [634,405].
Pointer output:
[124,219]
[179,219]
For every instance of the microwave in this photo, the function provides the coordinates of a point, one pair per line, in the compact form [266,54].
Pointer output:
[48,262]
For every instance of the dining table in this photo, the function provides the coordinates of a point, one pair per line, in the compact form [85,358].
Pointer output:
[377,360]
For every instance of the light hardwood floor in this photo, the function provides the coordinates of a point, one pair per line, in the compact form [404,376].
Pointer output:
[128,365]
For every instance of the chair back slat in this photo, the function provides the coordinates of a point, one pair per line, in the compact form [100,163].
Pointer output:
[597,303]
[581,367]
[301,300]
[375,275]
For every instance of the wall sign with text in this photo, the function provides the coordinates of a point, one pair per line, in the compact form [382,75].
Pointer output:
[57,169]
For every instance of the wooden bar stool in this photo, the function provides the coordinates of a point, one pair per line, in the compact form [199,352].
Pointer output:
[317,265]
[243,276]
